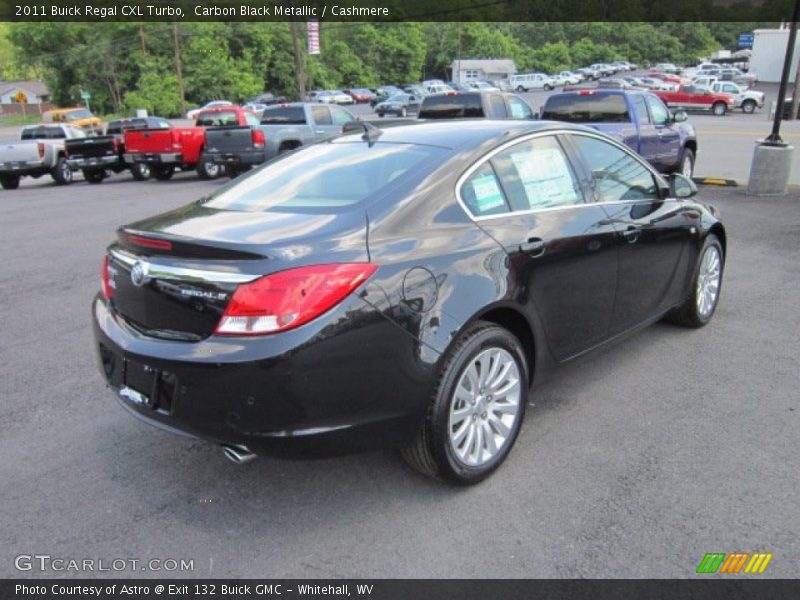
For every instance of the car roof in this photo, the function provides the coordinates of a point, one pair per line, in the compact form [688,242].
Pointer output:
[460,134]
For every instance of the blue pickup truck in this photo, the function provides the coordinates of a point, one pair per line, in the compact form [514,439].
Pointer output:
[637,118]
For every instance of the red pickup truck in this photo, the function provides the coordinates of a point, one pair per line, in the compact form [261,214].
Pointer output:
[689,97]
[164,150]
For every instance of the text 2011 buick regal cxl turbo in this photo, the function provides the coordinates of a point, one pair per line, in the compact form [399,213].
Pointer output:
[398,288]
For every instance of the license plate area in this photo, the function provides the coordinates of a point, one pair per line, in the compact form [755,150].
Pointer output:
[147,386]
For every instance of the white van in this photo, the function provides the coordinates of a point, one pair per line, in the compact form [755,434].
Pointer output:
[531,81]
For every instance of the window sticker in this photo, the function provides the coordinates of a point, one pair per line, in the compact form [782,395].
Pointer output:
[488,195]
[546,177]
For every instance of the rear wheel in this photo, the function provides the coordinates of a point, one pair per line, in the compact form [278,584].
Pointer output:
[719,109]
[477,408]
[9,182]
[520,88]
[208,170]
[548,87]
[699,306]
[164,172]
[140,171]
[61,173]
[749,106]
[94,176]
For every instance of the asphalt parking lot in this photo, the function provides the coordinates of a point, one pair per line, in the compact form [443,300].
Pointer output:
[634,462]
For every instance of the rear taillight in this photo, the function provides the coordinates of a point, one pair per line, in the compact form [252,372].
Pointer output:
[40,147]
[146,242]
[259,140]
[107,279]
[288,299]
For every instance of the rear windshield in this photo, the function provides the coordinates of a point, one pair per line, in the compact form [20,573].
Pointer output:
[327,177]
[451,107]
[289,115]
[590,108]
[120,126]
[38,133]
[221,118]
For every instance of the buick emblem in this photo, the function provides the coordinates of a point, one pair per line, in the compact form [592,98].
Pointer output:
[139,273]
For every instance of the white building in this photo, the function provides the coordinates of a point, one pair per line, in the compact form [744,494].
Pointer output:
[482,69]
[769,51]
[34,92]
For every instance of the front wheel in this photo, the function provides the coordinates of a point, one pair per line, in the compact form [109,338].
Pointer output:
[699,307]
[61,173]
[476,410]
[548,87]
[9,182]
[749,106]
[520,89]
[140,171]
[686,163]
[719,109]
[208,170]
[163,173]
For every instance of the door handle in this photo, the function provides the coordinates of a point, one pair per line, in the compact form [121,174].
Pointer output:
[631,234]
[533,247]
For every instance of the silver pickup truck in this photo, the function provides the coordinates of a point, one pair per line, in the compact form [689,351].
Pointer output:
[40,151]
[283,127]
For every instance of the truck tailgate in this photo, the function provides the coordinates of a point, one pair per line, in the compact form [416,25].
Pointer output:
[19,152]
[91,147]
[229,140]
[149,141]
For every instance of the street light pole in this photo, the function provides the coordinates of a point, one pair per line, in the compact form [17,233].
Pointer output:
[775,136]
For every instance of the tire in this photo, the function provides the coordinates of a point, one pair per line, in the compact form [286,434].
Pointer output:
[719,109]
[286,148]
[547,87]
[94,176]
[686,163]
[403,112]
[9,182]
[208,170]
[140,171]
[699,307]
[455,412]
[520,89]
[61,173]
[749,106]
[380,115]
[163,173]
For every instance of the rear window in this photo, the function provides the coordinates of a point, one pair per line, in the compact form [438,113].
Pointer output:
[288,115]
[120,126]
[221,118]
[451,107]
[39,133]
[327,177]
[589,108]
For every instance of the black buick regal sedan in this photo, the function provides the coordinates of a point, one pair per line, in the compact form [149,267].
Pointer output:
[399,288]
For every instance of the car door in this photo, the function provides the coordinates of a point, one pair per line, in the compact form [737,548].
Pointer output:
[668,137]
[653,230]
[649,143]
[562,254]
[323,128]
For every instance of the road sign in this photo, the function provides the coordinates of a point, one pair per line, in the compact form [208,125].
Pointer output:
[313,37]
[746,40]
[85,95]
[21,97]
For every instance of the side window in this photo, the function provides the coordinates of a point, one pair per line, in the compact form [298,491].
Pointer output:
[732,89]
[641,110]
[519,109]
[497,107]
[322,115]
[251,119]
[618,176]
[536,174]
[658,110]
[482,194]
[340,116]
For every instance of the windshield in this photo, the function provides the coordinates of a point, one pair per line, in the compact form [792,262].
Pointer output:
[78,114]
[398,98]
[324,177]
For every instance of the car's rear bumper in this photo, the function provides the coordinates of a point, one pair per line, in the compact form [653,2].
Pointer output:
[26,167]
[236,158]
[349,381]
[154,158]
[94,162]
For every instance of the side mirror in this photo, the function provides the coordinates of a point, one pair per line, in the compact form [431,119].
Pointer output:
[681,186]
[679,116]
[353,127]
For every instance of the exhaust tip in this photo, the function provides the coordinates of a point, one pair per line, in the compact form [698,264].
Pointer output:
[237,453]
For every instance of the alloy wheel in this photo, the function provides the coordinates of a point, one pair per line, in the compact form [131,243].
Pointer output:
[708,279]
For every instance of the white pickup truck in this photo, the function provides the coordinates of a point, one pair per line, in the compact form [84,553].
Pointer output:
[747,100]
[40,151]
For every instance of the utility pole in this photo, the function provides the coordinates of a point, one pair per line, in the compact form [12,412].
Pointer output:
[775,136]
[178,67]
[298,61]
[795,93]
